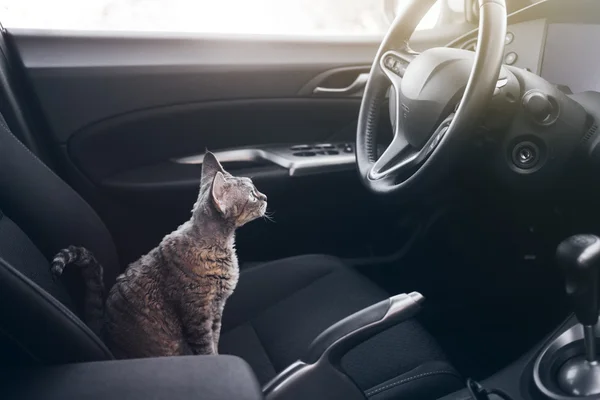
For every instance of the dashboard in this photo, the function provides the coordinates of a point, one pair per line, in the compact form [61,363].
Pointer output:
[556,39]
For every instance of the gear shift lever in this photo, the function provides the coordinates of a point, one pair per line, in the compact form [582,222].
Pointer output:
[579,256]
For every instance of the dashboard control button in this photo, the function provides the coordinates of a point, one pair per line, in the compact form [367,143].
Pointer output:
[538,106]
[348,149]
[305,154]
[509,38]
[300,147]
[324,146]
[511,58]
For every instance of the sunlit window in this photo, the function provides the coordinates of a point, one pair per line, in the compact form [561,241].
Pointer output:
[272,17]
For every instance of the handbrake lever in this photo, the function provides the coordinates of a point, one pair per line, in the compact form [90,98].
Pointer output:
[342,336]
[318,374]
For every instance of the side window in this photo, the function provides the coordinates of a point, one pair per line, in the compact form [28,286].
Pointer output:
[267,17]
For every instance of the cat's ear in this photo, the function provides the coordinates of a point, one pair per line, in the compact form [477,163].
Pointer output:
[210,166]
[217,192]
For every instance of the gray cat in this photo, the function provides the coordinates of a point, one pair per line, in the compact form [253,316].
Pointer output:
[170,302]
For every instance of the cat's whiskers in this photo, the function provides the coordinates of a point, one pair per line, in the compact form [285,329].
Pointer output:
[268,215]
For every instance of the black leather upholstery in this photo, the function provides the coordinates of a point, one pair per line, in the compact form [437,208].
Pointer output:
[277,309]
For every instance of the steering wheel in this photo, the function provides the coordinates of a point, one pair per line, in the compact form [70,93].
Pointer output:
[437,98]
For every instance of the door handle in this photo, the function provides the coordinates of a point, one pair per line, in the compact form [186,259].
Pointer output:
[358,84]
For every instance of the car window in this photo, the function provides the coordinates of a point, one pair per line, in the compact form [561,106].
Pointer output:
[271,17]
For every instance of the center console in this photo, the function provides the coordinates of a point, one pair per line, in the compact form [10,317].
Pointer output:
[565,365]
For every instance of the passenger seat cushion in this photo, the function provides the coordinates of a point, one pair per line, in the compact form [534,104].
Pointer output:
[279,307]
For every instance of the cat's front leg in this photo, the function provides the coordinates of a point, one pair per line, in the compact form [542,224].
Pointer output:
[197,323]
[199,337]
[217,312]
[216,332]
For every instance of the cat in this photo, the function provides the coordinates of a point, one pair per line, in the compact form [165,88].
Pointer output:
[170,301]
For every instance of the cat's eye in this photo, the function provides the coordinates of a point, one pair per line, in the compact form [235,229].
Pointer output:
[253,196]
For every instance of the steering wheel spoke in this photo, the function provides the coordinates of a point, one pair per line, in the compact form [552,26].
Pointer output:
[398,149]
[401,156]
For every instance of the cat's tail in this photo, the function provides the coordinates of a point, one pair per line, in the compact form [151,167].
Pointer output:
[93,276]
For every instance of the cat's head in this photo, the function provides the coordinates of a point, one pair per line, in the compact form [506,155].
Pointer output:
[235,198]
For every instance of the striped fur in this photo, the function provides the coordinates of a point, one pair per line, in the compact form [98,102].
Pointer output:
[93,277]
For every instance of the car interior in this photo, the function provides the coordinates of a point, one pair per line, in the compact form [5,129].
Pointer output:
[434,216]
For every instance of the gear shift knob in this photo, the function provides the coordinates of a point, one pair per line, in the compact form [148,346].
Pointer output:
[579,257]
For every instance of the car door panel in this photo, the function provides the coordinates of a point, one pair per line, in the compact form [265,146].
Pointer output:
[188,129]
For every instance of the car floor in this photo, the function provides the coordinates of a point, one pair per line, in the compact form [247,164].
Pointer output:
[485,303]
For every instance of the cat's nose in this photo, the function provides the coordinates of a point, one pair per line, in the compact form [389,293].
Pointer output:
[263,197]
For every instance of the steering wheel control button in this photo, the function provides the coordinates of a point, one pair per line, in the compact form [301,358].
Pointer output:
[395,64]
[400,68]
[511,58]
[390,62]
[525,155]
[540,107]
[509,38]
